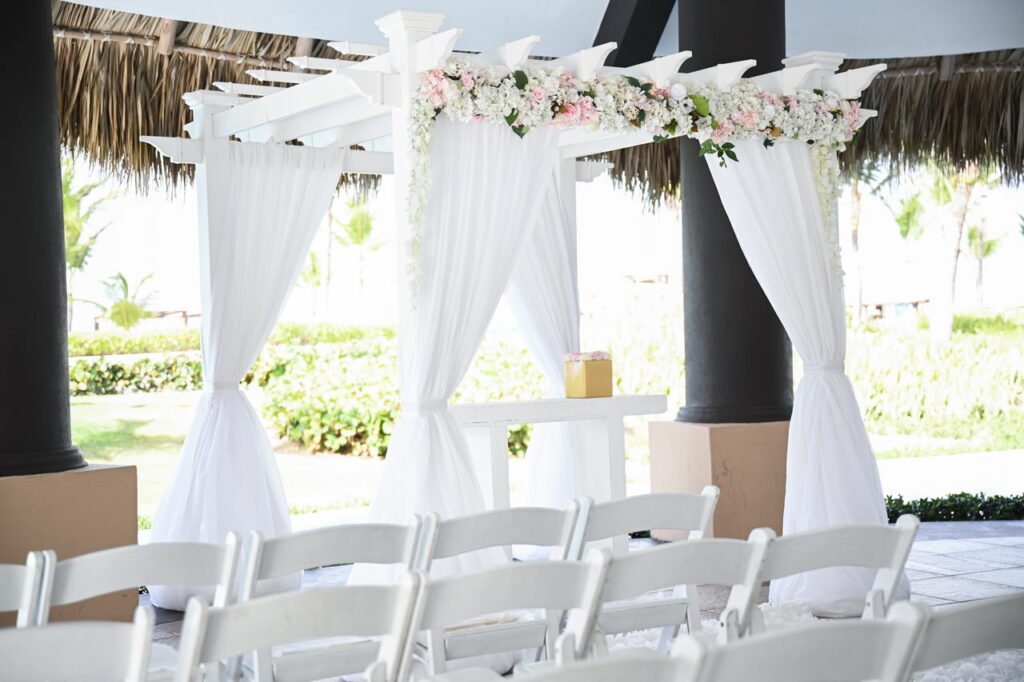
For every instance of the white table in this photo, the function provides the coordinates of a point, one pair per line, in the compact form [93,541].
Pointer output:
[599,459]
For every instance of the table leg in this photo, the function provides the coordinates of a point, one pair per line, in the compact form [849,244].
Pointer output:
[599,464]
[488,448]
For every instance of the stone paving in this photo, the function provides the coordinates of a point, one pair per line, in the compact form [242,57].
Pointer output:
[952,562]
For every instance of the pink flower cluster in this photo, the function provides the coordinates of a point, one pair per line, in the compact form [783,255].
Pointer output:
[582,112]
[587,356]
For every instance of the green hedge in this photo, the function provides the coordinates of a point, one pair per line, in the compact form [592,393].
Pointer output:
[179,340]
[958,507]
[105,377]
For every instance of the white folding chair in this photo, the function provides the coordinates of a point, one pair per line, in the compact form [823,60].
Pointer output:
[884,548]
[79,650]
[213,637]
[536,526]
[847,651]
[970,629]
[726,562]
[132,566]
[376,543]
[20,585]
[452,611]
[675,668]
[667,511]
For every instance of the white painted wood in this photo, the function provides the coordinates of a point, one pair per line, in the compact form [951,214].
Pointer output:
[884,548]
[492,473]
[20,586]
[431,49]
[850,84]
[177,149]
[851,650]
[965,630]
[577,142]
[319,63]
[362,49]
[635,666]
[271,76]
[534,526]
[585,63]
[555,587]
[599,463]
[132,566]
[246,89]
[557,409]
[80,650]
[377,543]
[723,75]
[585,171]
[211,637]
[660,71]
[511,54]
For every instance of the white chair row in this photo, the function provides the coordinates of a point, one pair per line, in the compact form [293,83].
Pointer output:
[911,639]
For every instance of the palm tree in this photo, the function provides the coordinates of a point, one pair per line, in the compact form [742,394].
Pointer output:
[868,174]
[127,306]
[357,232]
[981,248]
[79,211]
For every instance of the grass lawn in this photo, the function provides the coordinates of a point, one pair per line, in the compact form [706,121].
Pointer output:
[147,430]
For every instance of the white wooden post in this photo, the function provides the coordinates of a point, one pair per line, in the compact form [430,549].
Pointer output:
[488,447]
[404,28]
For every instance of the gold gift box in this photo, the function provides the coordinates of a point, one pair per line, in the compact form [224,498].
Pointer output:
[588,378]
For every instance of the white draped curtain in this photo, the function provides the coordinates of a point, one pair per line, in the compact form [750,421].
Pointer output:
[544,297]
[262,204]
[832,478]
[486,186]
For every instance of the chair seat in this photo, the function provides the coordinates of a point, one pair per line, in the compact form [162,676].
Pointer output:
[466,675]
[506,635]
[163,661]
[318,659]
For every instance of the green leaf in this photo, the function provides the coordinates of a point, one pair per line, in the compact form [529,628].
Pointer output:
[707,147]
[671,127]
[511,117]
[819,91]
[641,116]
[520,130]
[660,138]
[632,81]
[701,105]
[521,79]
[731,154]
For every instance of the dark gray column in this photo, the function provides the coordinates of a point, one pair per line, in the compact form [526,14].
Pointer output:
[35,420]
[738,357]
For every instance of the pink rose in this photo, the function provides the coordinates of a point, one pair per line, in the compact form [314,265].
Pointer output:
[537,96]
[748,119]
[570,113]
[467,81]
[587,110]
[723,131]
[851,111]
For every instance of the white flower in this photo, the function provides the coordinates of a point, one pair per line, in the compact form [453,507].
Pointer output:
[677,91]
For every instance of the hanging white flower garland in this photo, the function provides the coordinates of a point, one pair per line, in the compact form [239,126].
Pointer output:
[535,95]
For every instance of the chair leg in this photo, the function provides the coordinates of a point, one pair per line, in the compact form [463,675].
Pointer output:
[668,635]
[435,655]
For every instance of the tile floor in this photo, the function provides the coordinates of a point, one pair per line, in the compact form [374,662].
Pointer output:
[952,562]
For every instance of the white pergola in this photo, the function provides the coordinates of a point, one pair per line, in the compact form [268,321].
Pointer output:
[341,103]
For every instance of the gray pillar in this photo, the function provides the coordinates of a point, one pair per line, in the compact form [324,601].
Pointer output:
[738,357]
[35,419]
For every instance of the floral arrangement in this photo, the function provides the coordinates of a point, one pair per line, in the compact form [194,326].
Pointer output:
[587,356]
[536,95]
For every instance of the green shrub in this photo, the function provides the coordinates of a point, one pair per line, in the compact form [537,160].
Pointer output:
[958,507]
[180,340]
[100,376]
[987,324]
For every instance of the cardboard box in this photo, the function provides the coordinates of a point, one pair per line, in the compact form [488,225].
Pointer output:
[588,378]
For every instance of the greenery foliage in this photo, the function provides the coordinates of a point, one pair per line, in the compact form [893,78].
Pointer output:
[958,507]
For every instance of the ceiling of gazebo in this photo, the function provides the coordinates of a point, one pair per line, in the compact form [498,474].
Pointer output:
[117,81]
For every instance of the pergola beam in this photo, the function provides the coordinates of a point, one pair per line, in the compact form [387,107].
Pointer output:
[166,37]
[636,27]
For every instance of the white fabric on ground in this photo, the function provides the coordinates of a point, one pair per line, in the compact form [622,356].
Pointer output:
[264,203]
[832,479]
[544,297]
[486,192]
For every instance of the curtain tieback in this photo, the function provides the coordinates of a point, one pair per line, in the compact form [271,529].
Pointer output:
[824,368]
[223,386]
[424,407]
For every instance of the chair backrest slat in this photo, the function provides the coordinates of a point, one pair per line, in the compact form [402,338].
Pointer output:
[970,629]
[537,526]
[160,563]
[695,562]
[374,543]
[837,652]
[667,511]
[84,650]
[215,635]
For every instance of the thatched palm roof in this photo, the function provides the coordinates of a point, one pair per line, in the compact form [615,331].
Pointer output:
[122,75]
[954,110]
[115,83]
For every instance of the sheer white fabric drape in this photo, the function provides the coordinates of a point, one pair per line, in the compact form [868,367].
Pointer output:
[544,297]
[832,479]
[263,204]
[486,187]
